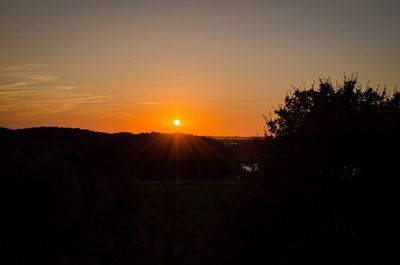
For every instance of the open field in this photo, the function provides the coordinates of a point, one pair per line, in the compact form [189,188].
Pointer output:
[198,197]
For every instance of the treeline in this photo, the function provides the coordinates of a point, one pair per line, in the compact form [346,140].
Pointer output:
[148,156]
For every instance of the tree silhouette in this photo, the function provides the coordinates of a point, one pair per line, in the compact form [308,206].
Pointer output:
[327,189]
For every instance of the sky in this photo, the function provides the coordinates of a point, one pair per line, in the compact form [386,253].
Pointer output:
[218,66]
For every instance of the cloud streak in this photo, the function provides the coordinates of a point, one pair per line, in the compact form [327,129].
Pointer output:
[32,89]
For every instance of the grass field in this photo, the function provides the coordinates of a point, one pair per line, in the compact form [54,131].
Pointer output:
[198,198]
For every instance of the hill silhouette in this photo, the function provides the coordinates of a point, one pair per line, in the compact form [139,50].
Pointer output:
[148,156]
[72,196]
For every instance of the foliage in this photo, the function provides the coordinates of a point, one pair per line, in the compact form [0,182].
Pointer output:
[327,189]
[328,111]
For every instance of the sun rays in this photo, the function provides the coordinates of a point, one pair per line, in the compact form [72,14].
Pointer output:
[177,155]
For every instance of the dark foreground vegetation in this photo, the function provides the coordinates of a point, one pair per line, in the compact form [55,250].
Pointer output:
[324,190]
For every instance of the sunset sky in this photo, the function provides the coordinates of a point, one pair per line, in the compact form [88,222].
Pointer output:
[217,66]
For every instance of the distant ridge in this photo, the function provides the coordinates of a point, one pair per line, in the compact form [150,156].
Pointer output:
[149,156]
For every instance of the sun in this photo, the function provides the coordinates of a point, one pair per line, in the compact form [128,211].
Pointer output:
[177,122]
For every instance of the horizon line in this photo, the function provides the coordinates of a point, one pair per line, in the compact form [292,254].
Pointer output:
[133,133]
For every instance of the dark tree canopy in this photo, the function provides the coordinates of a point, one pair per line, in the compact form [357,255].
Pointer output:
[327,189]
[344,132]
[344,110]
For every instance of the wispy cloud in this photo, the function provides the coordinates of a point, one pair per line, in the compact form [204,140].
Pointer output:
[31,89]
[151,103]
[24,75]
[66,87]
